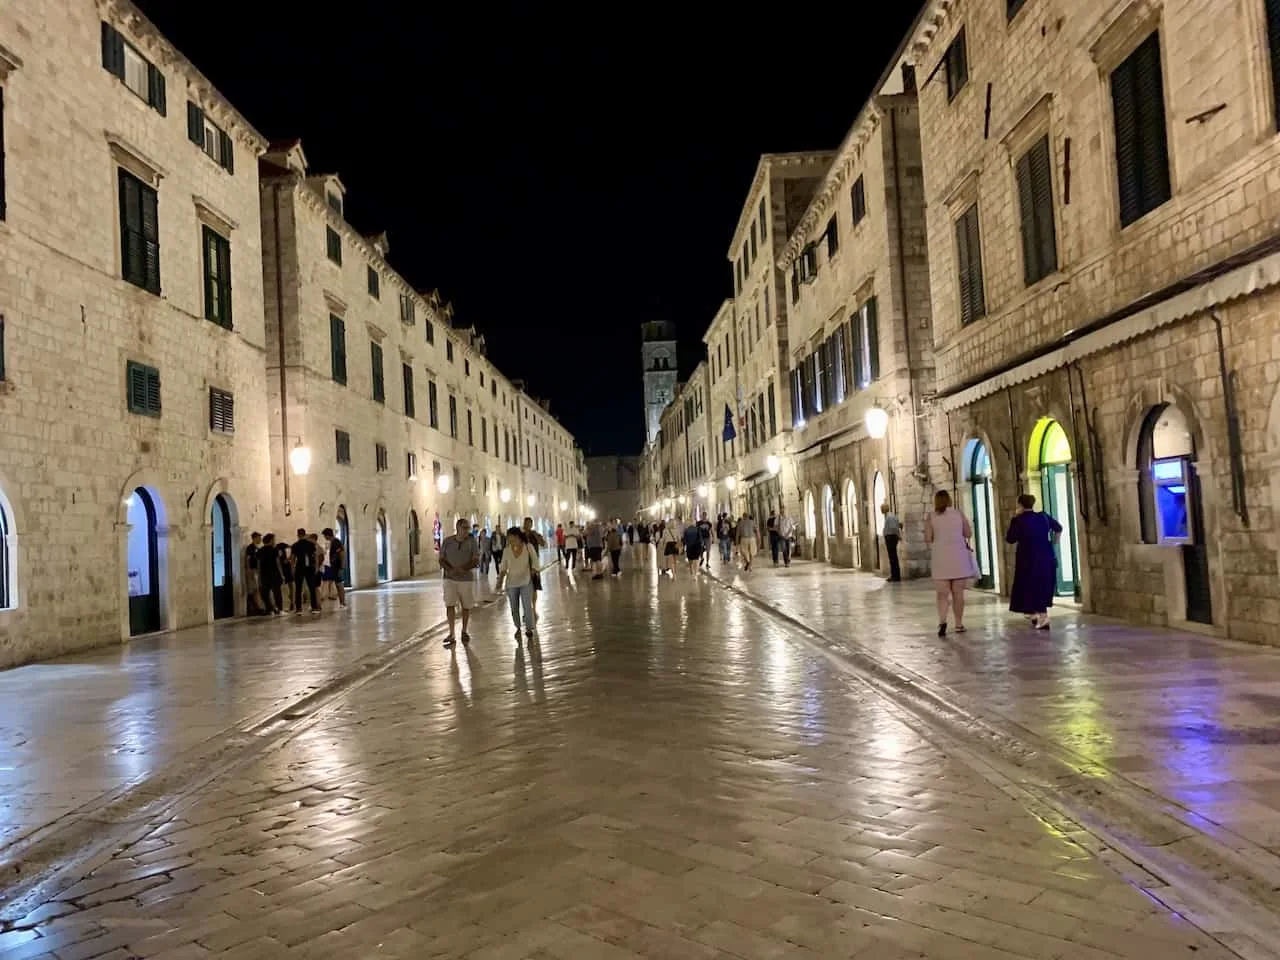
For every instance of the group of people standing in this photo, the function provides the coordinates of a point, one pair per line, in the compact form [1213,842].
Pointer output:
[311,565]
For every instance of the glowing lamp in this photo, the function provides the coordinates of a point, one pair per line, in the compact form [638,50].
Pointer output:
[877,422]
[442,483]
[300,459]
[531,499]
[505,495]
[730,483]
[773,464]
[702,490]
[564,504]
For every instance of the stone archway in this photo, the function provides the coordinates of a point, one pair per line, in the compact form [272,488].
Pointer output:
[1051,460]
[145,549]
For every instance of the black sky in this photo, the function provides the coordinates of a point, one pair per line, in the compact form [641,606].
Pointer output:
[559,179]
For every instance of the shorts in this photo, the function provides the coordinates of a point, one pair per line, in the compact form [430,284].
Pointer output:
[327,576]
[595,554]
[459,593]
[694,552]
[671,550]
[748,549]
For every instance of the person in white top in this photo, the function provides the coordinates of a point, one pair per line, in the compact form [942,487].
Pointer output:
[515,575]
[952,563]
[669,547]
[571,543]
[786,529]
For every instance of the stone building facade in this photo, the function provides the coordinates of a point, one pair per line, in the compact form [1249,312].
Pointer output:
[1103,187]
[131,303]
[660,366]
[859,339]
[682,450]
[615,486]
[408,425]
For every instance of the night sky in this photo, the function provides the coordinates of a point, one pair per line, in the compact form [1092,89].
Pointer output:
[558,190]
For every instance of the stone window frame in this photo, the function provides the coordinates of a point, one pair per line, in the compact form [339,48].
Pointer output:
[965,194]
[1037,121]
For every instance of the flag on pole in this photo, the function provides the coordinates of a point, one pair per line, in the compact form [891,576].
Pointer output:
[729,431]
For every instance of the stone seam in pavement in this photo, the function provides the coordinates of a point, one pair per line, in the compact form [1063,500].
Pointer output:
[1232,884]
[38,864]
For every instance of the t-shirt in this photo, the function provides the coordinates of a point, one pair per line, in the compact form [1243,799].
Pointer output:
[704,529]
[304,556]
[724,530]
[571,539]
[457,555]
[746,529]
[785,527]
[692,538]
[615,539]
[595,537]
[251,556]
[891,526]
[335,553]
[498,542]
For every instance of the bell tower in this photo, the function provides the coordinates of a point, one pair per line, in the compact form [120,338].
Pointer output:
[658,351]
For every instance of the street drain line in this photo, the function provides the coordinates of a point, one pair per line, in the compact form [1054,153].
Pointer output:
[1219,881]
[39,865]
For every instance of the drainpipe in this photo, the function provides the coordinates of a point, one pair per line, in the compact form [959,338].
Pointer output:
[284,377]
[902,282]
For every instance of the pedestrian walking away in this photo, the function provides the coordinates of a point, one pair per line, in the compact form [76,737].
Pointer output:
[271,575]
[706,532]
[892,533]
[613,542]
[459,556]
[669,544]
[304,572]
[724,533]
[748,540]
[693,547]
[486,551]
[572,541]
[951,559]
[253,586]
[515,577]
[337,566]
[786,528]
[1035,564]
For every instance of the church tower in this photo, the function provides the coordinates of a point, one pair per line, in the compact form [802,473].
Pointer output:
[658,350]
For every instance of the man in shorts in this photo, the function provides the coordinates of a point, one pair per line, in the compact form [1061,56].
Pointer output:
[459,556]
[748,540]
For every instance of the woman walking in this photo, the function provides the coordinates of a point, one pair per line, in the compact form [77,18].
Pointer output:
[947,532]
[515,575]
[1035,565]
[669,545]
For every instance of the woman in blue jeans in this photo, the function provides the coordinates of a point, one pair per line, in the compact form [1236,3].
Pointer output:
[515,575]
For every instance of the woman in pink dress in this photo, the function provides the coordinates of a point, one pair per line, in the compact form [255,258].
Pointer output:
[947,532]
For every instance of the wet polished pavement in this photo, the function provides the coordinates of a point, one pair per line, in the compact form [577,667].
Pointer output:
[667,773]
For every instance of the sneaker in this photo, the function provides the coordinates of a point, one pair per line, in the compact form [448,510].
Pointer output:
[517,636]
[450,642]
[942,629]
[466,637]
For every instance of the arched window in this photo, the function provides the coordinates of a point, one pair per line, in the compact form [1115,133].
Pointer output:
[8,558]
[1166,451]
[828,512]
[810,520]
[850,511]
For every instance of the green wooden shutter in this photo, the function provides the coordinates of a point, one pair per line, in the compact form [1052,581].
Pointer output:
[226,151]
[150,238]
[855,341]
[379,385]
[153,391]
[1273,46]
[2,164]
[210,263]
[1027,219]
[112,50]
[873,340]
[224,279]
[135,386]
[195,124]
[1142,149]
[155,89]
[1042,201]
[338,348]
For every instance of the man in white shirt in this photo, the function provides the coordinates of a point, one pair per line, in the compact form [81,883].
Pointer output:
[786,528]
[748,540]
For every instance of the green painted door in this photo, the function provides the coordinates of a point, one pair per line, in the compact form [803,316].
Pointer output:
[1059,502]
[983,542]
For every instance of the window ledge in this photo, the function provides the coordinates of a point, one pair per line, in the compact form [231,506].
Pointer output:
[134,159]
[212,216]
[9,62]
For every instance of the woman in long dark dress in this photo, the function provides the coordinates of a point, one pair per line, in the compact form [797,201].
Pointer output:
[1035,566]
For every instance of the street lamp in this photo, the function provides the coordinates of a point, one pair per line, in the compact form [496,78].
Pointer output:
[730,483]
[505,494]
[702,490]
[442,483]
[531,500]
[877,420]
[773,464]
[300,459]
[564,505]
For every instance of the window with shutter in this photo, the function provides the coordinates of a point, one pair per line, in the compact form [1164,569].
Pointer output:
[430,330]
[484,435]
[797,397]
[410,401]
[858,200]
[1035,202]
[375,364]
[338,348]
[871,331]
[773,412]
[142,389]
[3,192]
[453,416]
[795,281]
[1273,48]
[433,407]
[342,446]
[972,296]
[832,234]
[448,350]
[222,418]
[957,65]
[471,441]
[857,344]
[1142,148]
[411,465]
[217,278]
[195,124]
[836,351]
[381,462]
[139,233]
[333,245]
[374,283]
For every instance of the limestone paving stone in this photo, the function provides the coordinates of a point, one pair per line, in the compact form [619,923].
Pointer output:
[667,773]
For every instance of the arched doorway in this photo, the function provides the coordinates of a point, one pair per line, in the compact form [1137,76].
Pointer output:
[977,467]
[342,527]
[143,561]
[415,542]
[851,525]
[879,497]
[828,520]
[1169,504]
[382,547]
[810,523]
[1050,456]
[222,550]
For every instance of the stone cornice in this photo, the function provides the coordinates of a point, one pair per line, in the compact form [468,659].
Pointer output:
[9,61]
[122,13]
[764,169]
[847,159]
[933,19]
[713,331]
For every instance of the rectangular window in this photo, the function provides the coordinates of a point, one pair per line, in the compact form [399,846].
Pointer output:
[433,406]
[139,233]
[471,439]
[135,71]
[410,401]
[2,189]
[753,241]
[429,329]
[1142,148]
[333,245]
[209,137]
[466,367]
[858,199]
[495,440]
[1035,202]
[809,264]
[380,457]
[795,281]
[493,387]
[222,411]
[374,282]
[957,65]
[375,364]
[411,466]
[864,331]
[342,446]
[969,264]
[773,412]
[338,348]
[453,416]
[484,435]
[1273,48]
[217,278]
[408,311]
[143,389]
[1012,7]
[836,352]
[448,350]
[832,235]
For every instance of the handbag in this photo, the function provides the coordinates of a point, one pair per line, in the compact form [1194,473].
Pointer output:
[535,575]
